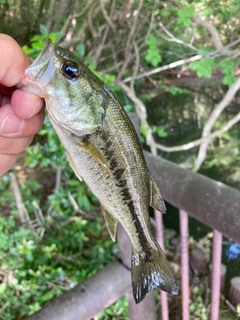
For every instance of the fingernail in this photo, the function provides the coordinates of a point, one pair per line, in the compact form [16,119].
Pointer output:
[11,124]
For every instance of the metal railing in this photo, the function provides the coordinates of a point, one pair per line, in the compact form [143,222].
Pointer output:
[208,201]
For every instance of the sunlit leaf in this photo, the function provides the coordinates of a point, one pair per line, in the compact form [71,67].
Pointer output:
[43,29]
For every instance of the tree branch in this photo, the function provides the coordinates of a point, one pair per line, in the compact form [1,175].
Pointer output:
[106,17]
[22,211]
[130,36]
[75,16]
[142,113]
[212,119]
[173,38]
[166,67]
[215,36]
[197,142]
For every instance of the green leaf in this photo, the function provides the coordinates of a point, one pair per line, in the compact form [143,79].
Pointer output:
[152,42]
[58,34]
[176,90]
[143,129]
[43,30]
[27,50]
[203,67]
[161,132]
[185,14]
[153,56]
[80,50]
[128,107]
[228,70]
[53,37]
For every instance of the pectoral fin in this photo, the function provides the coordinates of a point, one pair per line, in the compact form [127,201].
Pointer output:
[95,153]
[111,223]
[156,200]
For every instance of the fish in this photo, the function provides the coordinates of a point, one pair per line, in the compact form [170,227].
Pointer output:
[104,150]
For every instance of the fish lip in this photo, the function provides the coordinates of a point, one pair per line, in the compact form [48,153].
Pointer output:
[39,66]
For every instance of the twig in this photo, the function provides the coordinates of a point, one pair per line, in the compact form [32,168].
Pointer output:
[50,15]
[22,211]
[130,36]
[166,67]
[212,119]
[142,114]
[75,16]
[175,64]
[106,17]
[90,21]
[173,38]
[58,177]
[197,142]
[215,36]
[126,8]
[80,36]
[137,61]
[230,306]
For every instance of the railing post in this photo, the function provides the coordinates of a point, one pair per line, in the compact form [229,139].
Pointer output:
[184,263]
[216,275]
[160,239]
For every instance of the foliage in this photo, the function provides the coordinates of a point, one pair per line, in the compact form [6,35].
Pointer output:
[202,67]
[185,14]
[197,308]
[37,269]
[4,183]
[37,41]
[58,248]
[153,56]
[117,311]
[229,74]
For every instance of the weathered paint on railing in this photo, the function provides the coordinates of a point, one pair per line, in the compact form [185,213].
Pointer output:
[183,216]
[209,201]
[216,275]
[90,297]
[160,239]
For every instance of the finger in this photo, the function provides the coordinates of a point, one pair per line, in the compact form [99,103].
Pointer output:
[13,126]
[14,145]
[15,61]
[25,105]
[7,162]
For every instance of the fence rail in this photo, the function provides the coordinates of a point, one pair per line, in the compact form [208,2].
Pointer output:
[208,201]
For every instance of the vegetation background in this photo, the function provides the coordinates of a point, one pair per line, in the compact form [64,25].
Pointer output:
[175,63]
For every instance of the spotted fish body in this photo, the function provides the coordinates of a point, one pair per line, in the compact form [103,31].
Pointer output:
[104,150]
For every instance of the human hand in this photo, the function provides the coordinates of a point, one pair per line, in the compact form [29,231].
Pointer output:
[21,113]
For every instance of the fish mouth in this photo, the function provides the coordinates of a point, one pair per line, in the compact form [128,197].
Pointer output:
[40,65]
[38,74]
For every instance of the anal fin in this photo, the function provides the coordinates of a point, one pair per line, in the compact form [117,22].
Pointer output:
[111,223]
[156,200]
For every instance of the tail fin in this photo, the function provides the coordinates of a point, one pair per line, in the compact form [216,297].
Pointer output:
[151,271]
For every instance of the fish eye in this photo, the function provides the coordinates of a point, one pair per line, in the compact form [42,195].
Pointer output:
[70,70]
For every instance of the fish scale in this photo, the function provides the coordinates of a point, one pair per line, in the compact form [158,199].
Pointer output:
[103,148]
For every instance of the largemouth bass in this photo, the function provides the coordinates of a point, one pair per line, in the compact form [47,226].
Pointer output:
[104,150]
